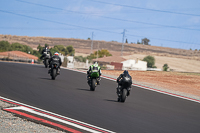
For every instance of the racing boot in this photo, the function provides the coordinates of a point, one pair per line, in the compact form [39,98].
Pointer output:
[118,91]
[98,80]
[88,79]
[58,72]
[128,93]
[49,71]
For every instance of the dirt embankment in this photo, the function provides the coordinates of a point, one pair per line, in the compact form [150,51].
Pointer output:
[180,83]
[17,55]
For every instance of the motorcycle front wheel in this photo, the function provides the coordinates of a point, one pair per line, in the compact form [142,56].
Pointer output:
[123,96]
[46,63]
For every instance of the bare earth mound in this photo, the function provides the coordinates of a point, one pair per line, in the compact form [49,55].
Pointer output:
[17,54]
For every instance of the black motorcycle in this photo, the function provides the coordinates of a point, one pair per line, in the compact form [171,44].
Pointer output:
[46,60]
[124,89]
[54,70]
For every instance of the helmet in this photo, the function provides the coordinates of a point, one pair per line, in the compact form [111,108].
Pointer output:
[95,63]
[46,47]
[125,72]
[56,53]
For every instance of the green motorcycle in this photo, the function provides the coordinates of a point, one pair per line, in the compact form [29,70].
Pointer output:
[93,80]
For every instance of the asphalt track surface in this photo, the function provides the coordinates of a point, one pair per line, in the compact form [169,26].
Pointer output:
[143,112]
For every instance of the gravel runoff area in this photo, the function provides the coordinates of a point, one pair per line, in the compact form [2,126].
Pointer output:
[9,123]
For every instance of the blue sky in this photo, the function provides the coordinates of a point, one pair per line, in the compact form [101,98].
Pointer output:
[168,23]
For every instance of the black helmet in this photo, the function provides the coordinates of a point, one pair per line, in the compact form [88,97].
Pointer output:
[125,72]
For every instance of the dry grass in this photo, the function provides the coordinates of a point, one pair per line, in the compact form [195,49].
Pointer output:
[177,64]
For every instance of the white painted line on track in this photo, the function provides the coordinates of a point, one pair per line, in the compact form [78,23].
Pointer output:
[47,114]
[53,118]
[144,87]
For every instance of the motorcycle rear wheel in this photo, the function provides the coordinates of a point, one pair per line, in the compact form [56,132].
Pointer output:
[93,85]
[53,75]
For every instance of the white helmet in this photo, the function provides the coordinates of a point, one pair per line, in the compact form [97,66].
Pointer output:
[95,63]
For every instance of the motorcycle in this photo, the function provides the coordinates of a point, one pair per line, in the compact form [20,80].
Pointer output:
[46,60]
[92,80]
[54,70]
[124,89]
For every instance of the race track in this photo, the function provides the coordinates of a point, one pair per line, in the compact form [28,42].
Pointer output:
[143,112]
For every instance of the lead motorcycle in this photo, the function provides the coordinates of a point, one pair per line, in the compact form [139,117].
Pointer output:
[54,70]
[124,89]
[46,59]
[92,80]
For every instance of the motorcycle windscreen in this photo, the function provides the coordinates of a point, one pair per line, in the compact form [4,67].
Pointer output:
[94,74]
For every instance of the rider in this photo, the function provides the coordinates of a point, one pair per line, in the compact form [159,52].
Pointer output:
[45,51]
[55,59]
[120,81]
[94,68]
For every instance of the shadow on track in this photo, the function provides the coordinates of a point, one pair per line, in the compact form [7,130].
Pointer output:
[111,100]
[42,67]
[46,78]
[83,89]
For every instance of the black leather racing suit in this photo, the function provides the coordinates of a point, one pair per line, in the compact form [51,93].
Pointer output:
[55,59]
[44,52]
[120,82]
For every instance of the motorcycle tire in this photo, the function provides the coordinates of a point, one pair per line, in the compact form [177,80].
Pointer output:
[53,75]
[46,63]
[93,85]
[123,96]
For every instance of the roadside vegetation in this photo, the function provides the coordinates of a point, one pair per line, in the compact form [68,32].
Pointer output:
[69,50]
[150,61]
[96,54]
[6,46]
[165,67]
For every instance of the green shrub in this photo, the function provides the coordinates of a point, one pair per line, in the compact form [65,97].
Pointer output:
[150,61]
[100,53]
[4,46]
[165,67]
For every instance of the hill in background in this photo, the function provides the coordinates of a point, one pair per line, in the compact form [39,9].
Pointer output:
[111,46]
[177,59]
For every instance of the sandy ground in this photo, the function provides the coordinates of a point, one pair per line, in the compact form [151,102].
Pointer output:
[186,84]
[177,64]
